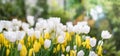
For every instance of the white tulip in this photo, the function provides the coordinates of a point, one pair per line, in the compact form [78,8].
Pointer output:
[37,34]
[92,53]
[47,43]
[74,47]
[30,32]
[93,42]
[86,29]
[20,35]
[30,20]
[19,47]
[105,34]
[67,48]
[69,26]
[82,27]
[41,24]
[25,26]
[76,29]
[1,27]
[11,36]
[60,39]
[8,25]
[51,25]
[62,55]
[81,53]
[16,22]
[54,19]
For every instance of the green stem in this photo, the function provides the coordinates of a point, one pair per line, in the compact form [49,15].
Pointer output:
[3,51]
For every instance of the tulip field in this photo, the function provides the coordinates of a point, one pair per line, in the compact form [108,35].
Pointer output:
[49,37]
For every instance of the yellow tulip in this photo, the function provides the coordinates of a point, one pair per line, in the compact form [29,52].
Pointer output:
[41,40]
[87,43]
[2,38]
[63,48]
[83,43]
[30,52]
[22,42]
[58,47]
[78,40]
[54,50]
[68,37]
[7,52]
[36,46]
[6,43]
[23,51]
[99,50]
[72,53]
[33,38]
[28,39]
[71,33]
[47,36]
[67,54]
[65,43]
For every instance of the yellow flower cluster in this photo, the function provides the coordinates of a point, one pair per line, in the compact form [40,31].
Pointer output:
[31,46]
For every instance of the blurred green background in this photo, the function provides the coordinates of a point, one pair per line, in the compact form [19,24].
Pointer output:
[100,14]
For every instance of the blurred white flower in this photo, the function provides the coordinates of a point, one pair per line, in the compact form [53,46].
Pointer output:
[16,22]
[94,14]
[86,29]
[74,47]
[81,53]
[30,32]
[37,34]
[69,26]
[99,9]
[60,39]
[59,32]
[10,35]
[19,46]
[51,25]
[67,48]
[41,24]
[1,26]
[82,27]
[87,37]
[25,26]
[54,19]
[61,26]
[93,42]
[8,25]
[105,34]
[62,55]
[20,35]
[47,43]
[30,20]
[92,53]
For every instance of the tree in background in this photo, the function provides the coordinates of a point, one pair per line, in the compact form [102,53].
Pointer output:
[12,9]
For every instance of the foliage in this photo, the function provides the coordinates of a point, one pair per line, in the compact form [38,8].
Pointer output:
[9,10]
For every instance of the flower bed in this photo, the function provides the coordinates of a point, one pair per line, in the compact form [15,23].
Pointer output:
[48,38]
